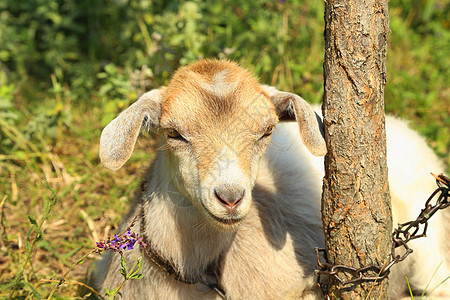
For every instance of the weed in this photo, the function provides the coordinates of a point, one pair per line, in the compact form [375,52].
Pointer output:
[34,235]
[409,288]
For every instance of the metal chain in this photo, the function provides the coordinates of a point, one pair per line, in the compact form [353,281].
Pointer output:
[400,237]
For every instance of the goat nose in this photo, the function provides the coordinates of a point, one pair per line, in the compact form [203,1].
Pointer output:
[229,195]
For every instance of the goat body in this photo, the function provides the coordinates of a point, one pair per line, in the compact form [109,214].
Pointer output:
[229,190]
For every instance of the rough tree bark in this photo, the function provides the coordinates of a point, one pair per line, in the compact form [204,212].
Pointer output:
[356,211]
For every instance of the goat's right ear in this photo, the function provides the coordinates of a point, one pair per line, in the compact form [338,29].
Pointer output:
[119,137]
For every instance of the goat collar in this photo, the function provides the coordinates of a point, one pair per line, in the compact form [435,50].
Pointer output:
[212,273]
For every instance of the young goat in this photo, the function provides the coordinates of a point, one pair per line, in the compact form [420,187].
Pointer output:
[232,203]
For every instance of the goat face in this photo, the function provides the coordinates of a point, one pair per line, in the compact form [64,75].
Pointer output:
[217,125]
[216,120]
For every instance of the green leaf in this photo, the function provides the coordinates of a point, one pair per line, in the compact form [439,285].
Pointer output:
[13,283]
[123,272]
[123,263]
[111,293]
[111,69]
[137,276]
[409,288]
[21,155]
[36,294]
[32,221]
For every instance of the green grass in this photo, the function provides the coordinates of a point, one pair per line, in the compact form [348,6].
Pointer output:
[67,70]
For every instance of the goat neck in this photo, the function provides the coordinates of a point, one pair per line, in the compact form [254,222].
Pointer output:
[175,227]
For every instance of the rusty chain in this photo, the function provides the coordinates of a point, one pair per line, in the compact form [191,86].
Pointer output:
[400,237]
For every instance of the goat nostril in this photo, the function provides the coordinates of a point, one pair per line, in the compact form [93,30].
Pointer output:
[229,196]
[220,198]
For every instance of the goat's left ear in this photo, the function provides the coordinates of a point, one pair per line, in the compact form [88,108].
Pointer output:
[290,106]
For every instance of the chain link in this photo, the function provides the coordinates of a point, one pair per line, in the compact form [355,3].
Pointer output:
[400,237]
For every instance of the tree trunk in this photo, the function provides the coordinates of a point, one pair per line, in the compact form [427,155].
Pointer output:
[356,211]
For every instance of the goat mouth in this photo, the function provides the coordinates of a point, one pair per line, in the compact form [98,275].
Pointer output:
[225,221]
[230,221]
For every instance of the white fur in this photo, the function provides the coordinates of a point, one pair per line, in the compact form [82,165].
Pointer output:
[219,87]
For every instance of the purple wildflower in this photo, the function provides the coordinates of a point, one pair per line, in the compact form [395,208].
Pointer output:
[127,240]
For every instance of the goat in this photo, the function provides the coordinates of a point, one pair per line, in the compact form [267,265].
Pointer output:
[235,189]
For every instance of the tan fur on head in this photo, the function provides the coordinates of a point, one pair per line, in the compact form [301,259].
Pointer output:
[212,105]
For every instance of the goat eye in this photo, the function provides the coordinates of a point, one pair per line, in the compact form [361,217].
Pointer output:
[174,134]
[269,131]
